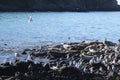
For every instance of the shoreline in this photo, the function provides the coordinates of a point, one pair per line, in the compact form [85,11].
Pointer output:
[67,11]
[67,61]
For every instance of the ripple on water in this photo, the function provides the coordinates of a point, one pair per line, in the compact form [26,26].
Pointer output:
[16,32]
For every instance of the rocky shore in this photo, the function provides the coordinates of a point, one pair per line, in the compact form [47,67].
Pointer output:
[87,60]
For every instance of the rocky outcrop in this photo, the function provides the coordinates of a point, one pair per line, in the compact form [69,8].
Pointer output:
[58,5]
[87,60]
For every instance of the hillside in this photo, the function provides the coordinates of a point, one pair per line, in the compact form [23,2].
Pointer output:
[58,5]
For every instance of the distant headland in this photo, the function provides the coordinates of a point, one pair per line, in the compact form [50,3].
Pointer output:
[59,5]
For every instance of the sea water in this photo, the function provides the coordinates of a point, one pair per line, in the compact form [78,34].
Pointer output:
[57,27]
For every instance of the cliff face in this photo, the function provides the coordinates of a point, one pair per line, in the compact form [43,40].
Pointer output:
[57,5]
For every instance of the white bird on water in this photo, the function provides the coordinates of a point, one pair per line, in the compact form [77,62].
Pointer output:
[16,55]
[30,19]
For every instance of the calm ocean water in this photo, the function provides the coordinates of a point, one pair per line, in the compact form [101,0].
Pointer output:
[15,31]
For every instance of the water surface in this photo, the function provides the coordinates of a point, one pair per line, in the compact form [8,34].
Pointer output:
[16,31]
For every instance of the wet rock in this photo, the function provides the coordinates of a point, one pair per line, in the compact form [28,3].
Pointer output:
[87,57]
[8,71]
[77,47]
[1,70]
[10,78]
[109,43]
[57,54]
[5,44]
[22,67]
[6,64]
[39,53]
[58,46]
[68,61]
[26,51]
[69,71]
[46,67]
[20,76]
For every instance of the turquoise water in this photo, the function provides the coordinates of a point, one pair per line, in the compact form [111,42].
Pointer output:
[16,31]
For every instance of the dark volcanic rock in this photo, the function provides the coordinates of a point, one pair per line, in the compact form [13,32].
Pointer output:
[69,61]
[57,5]
[57,54]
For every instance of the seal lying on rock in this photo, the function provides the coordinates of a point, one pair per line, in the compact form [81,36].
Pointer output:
[68,61]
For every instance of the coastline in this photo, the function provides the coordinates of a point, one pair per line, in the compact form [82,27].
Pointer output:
[67,61]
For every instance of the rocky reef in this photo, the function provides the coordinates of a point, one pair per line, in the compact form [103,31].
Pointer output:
[87,60]
[58,5]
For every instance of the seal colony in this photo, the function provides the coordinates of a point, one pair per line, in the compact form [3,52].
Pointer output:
[87,60]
